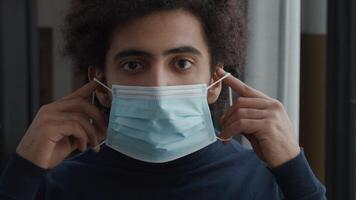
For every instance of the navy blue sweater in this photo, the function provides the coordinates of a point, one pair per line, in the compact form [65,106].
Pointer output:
[218,171]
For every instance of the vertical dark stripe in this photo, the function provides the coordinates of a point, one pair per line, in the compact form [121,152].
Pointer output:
[340,179]
[33,58]
[353,97]
[18,57]
[28,55]
[1,92]
[283,12]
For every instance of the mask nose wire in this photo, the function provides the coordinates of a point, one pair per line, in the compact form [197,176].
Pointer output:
[102,84]
[225,76]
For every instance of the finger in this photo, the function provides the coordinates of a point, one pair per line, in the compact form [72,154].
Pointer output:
[94,135]
[80,105]
[254,143]
[83,119]
[246,126]
[73,143]
[83,92]
[68,129]
[245,102]
[79,133]
[245,113]
[239,87]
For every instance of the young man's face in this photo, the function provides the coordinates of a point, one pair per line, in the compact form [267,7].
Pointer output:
[161,49]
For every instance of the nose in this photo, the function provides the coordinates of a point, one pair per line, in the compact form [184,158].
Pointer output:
[157,76]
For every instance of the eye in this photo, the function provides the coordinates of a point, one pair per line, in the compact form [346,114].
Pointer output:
[183,64]
[132,66]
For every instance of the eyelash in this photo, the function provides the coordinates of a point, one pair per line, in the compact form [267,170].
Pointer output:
[132,62]
[174,62]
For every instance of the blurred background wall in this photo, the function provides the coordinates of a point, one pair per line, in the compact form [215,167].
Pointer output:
[313,83]
[50,18]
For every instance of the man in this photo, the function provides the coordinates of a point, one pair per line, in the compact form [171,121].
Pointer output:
[140,53]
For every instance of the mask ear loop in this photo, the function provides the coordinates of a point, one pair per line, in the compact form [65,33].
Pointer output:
[222,78]
[230,96]
[92,102]
[230,101]
[102,84]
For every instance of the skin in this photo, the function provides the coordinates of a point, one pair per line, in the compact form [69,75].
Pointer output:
[141,54]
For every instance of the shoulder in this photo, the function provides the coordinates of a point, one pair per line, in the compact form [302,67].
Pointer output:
[240,153]
[248,170]
[73,170]
[246,160]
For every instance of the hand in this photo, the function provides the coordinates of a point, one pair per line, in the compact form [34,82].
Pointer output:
[61,127]
[263,121]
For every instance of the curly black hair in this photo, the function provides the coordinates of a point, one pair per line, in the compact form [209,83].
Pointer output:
[89,24]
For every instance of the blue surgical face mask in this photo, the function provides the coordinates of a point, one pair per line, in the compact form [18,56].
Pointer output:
[160,124]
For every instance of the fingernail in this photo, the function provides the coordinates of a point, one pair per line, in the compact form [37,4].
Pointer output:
[96,148]
[221,72]
[100,77]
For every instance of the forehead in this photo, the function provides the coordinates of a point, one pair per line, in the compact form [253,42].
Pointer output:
[159,31]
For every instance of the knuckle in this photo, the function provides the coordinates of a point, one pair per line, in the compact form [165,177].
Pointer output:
[79,100]
[245,89]
[79,117]
[43,118]
[248,112]
[240,112]
[239,122]
[76,126]
[45,125]
[239,101]
[237,106]
[273,114]
[47,129]
[76,117]
[276,104]
[44,109]
[269,125]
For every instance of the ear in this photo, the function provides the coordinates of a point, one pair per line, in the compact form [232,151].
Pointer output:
[101,93]
[214,92]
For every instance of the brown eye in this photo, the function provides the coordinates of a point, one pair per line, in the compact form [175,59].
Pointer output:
[132,66]
[183,64]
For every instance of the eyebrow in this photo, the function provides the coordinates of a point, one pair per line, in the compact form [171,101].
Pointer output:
[184,49]
[141,53]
